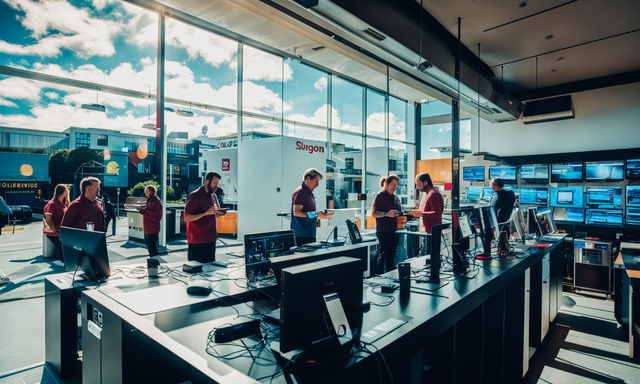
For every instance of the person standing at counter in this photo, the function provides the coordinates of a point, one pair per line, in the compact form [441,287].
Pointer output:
[109,213]
[304,216]
[53,214]
[151,217]
[386,209]
[86,211]
[431,212]
[502,201]
[200,213]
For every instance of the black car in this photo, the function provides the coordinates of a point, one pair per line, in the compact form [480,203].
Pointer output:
[20,212]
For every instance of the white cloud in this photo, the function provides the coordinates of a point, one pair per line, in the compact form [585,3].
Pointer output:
[52,95]
[227,125]
[258,98]
[7,103]
[19,88]
[397,128]
[73,28]
[321,83]
[375,124]
[260,65]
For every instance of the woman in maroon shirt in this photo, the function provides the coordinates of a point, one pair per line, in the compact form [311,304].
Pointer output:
[53,214]
[152,214]
[386,208]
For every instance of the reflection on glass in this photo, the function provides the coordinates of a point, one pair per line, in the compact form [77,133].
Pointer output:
[399,164]
[263,76]
[347,105]
[397,119]
[344,170]
[253,128]
[306,93]
[377,167]
[304,132]
[375,113]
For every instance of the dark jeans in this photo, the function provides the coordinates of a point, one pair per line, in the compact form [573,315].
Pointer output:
[204,253]
[151,241]
[56,242]
[387,246]
[304,240]
[106,225]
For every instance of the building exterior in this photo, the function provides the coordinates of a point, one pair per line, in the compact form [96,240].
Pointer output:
[24,178]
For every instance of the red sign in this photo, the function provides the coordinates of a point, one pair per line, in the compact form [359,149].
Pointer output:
[448,186]
[309,148]
[226,165]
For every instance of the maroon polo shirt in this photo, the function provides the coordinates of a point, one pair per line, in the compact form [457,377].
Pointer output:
[56,209]
[203,230]
[303,227]
[83,210]
[386,202]
[151,216]
[432,209]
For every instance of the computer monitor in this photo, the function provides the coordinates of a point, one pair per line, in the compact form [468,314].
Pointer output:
[575,215]
[436,249]
[517,218]
[633,215]
[259,247]
[633,169]
[541,221]
[633,196]
[505,172]
[513,188]
[534,173]
[475,173]
[533,225]
[336,228]
[487,193]
[566,172]
[303,311]
[604,197]
[462,227]
[85,250]
[473,193]
[534,195]
[604,171]
[604,216]
[567,197]
[489,227]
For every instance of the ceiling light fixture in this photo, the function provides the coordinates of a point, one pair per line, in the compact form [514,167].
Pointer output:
[94,106]
[549,37]
[522,4]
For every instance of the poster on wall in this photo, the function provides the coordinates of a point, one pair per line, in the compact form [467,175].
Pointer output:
[226,165]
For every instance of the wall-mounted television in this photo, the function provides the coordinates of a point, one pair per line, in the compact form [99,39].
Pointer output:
[604,197]
[534,195]
[604,171]
[534,173]
[633,169]
[569,197]
[566,172]
[475,173]
[505,172]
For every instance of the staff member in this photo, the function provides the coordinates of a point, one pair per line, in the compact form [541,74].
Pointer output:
[502,201]
[386,208]
[151,217]
[431,211]
[53,214]
[109,213]
[304,216]
[86,212]
[200,214]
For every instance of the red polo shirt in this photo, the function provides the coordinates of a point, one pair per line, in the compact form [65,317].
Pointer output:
[432,209]
[151,216]
[202,230]
[83,210]
[56,209]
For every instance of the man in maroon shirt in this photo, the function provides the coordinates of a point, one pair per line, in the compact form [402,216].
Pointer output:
[151,216]
[86,212]
[431,211]
[200,214]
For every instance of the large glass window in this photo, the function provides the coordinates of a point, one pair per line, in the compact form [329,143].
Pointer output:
[375,113]
[377,167]
[306,93]
[263,75]
[83,139]
[344,170]
[397,119]
[400,164]
[346,103]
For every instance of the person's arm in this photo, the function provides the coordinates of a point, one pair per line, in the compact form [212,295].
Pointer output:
[298,212]
[48,219]
[433,207]
[191,207]
[376,214]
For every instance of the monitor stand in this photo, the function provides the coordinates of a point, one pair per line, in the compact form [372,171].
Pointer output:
[328,352]
[486,247]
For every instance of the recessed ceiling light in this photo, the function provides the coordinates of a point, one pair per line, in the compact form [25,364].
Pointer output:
[560,58]
[548,37]
[553,70]
[522,4]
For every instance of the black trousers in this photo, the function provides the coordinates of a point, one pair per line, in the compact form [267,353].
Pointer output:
[56,242]
[106,225]
[204,253]
[387,246]
[151,241]
[304,240]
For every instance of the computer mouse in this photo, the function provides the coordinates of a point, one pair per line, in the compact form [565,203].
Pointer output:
[199,288]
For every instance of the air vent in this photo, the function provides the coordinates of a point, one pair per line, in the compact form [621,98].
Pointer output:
[496,110]
[375,34]
[552,109]
[506,120]
[320,48]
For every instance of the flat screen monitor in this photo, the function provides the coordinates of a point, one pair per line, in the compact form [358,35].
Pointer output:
[534,173]
[541,221]
[633,169]
[465,226]
[604,171]
[513,188]
[566,172]
[475,173]
[302,308]
[260,247]
[487,193]
[567,197]
[85,250]
[604,216]
[517,218]
[504,172]
[575,215]
[604,197]
[633,215]
[633,196]
[473,194]
[534,195]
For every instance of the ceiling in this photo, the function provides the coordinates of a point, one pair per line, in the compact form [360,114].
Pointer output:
[574,41]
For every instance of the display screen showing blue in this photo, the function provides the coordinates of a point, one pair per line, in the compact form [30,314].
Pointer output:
[570,197]
[633,216]
[604,216]
[534,172]
[633,196]
[604,197]
[566,172]
[570,214]
[474,193]
[534,195]
[633,169]
[511,187]
[487,193]
[473,173]
[505,172]
[612,170]
[578,244]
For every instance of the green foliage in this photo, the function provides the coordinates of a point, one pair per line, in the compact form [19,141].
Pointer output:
[58,170]
[138,189]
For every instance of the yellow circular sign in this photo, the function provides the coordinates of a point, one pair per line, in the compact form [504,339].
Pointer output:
[142,151]
[26,170]
[112,168]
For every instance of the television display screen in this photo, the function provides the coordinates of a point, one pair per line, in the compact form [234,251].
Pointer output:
[534,195]
[633,169]
[633,196]
[604,197]
[566,172]
[567,197]
[633,215]
[604,216]
[610,170]
[473,173]
[473,193]
[534,173]
[568,214]
[504,172]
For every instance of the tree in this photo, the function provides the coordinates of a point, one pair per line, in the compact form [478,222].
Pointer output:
[58,170]
[138,189]
[81,155]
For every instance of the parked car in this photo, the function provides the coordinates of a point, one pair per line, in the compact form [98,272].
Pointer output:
[20,212]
